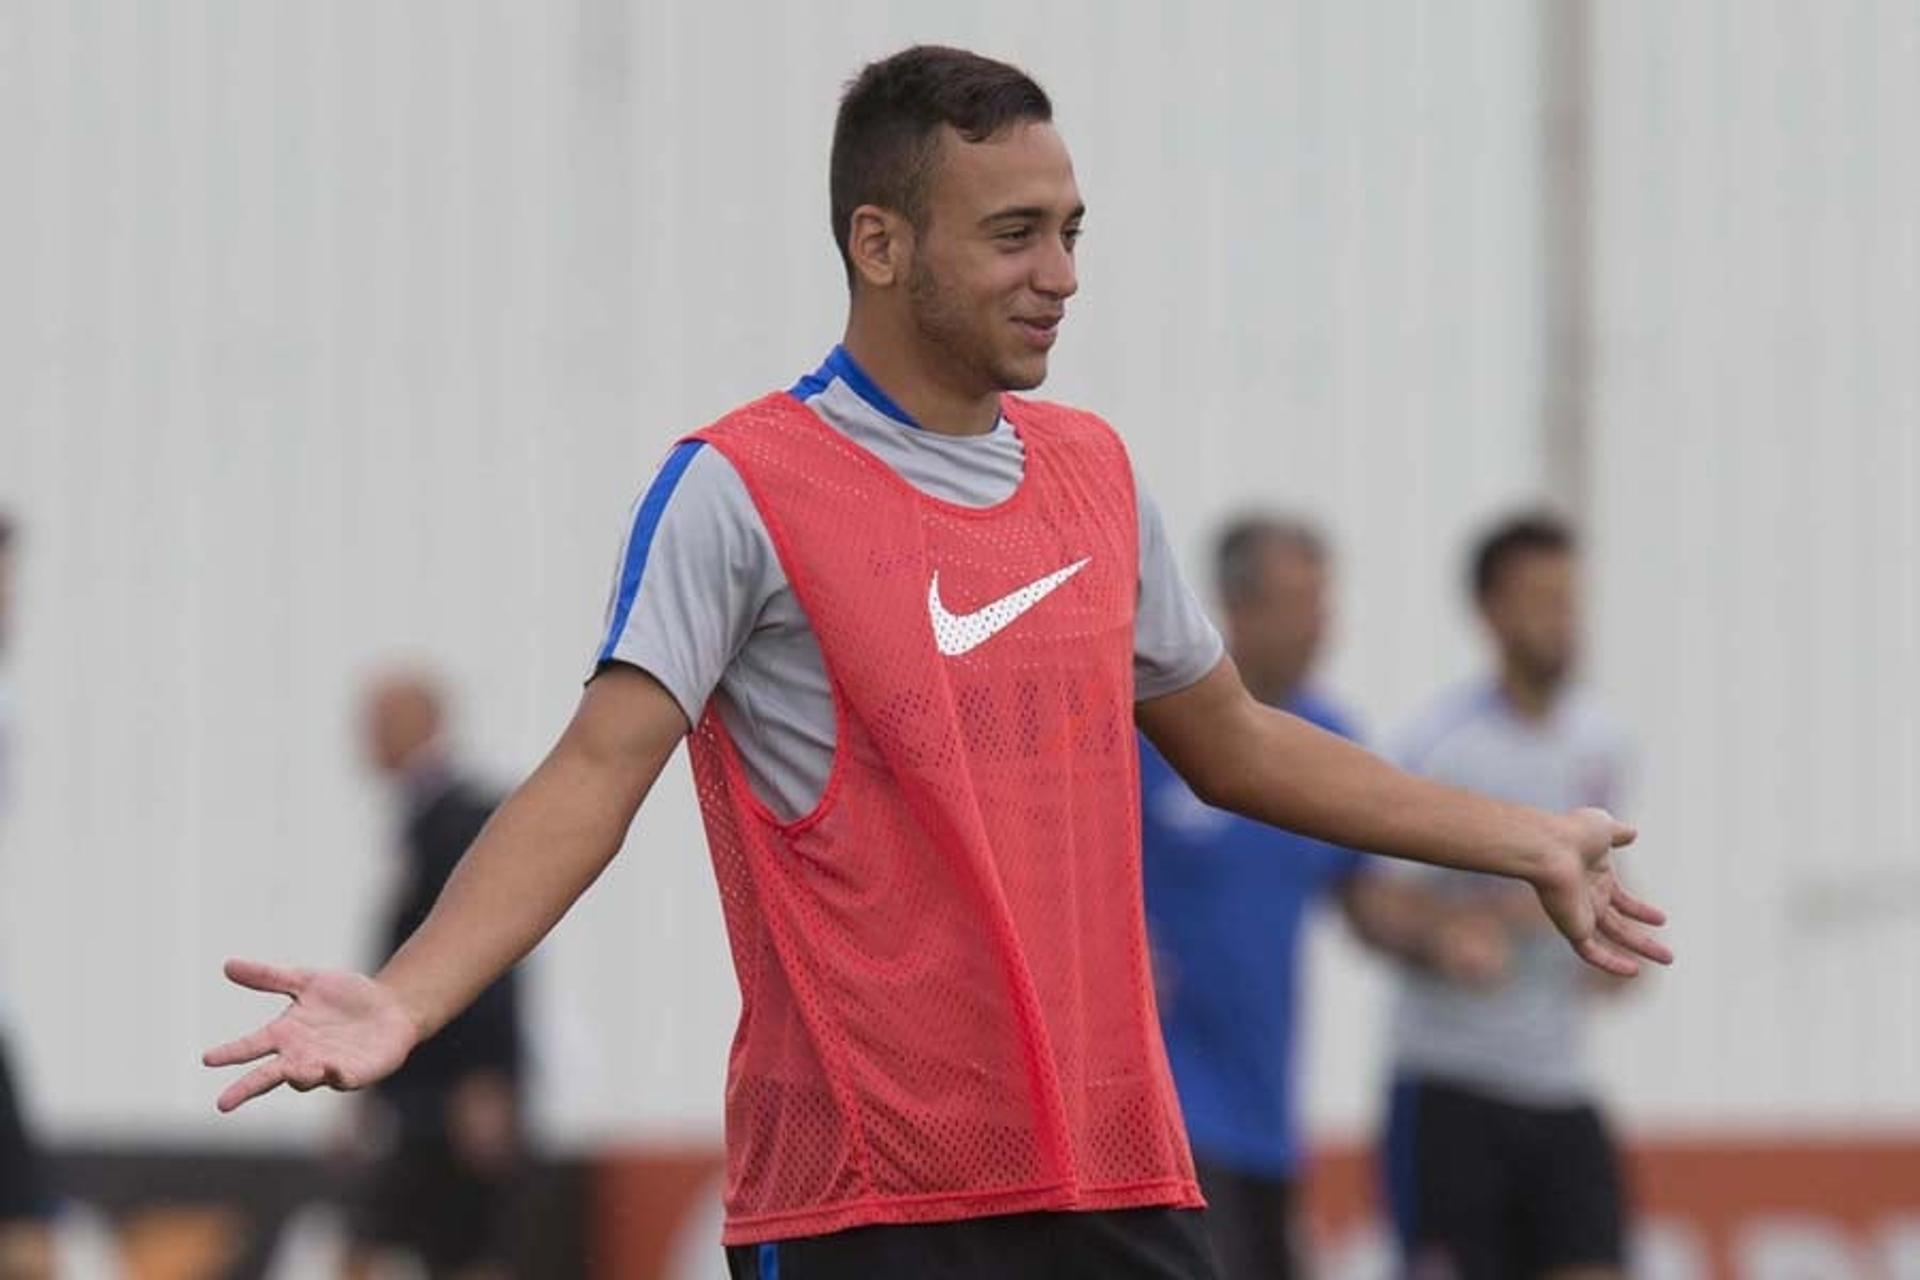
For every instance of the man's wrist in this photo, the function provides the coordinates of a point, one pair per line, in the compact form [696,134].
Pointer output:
[420,1015]
[1554,860]
[1546,856]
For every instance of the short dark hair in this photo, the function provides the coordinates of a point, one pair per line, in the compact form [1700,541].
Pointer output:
[6,531]
[1236,551]
[1511,538]
[887,135]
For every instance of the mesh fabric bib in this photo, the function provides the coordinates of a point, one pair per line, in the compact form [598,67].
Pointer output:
[946,1009]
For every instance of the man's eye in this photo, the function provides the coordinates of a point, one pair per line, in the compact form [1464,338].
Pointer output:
[1016,236]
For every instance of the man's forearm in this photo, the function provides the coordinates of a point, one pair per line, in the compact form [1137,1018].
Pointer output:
[1279,769]
[1305,779]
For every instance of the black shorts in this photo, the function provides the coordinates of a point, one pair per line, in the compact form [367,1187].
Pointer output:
[24,1194]
[423,1198]
[1249,1218]
[1124,1244]
[1488,1190]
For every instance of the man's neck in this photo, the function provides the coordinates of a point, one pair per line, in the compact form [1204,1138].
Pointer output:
[915,382]
[1531,697]
[425,777]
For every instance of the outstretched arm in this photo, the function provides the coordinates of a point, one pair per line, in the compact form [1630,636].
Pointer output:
[1275,768]
[543,847]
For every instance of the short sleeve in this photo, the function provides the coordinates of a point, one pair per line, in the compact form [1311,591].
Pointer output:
[695,570]
[1175,644]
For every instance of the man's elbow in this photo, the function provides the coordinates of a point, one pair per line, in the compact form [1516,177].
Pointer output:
[1216,784]
[1219,771]
[1211,735]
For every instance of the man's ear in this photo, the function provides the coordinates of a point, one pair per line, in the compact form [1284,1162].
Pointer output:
[880,243]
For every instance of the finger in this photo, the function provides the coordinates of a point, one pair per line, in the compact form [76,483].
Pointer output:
[1624,833]
[274,978]
[1634,939]
[1636,909]
[305,1078]
[262,1079]
[245,1049]
[1605,958]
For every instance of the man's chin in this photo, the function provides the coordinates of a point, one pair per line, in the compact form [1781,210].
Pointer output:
[1553,674]
[1022,375]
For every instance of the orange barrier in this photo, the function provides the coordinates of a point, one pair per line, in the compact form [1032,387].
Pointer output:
[641,1202]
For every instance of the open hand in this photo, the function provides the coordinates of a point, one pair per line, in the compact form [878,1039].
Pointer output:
[343,1030]
[1583,898]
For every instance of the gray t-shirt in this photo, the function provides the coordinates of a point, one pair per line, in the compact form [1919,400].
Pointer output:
[1523,1041]
[701,603]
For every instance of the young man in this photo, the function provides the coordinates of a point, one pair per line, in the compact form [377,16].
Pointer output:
[26,1232]
[1498,1162]
[930,618]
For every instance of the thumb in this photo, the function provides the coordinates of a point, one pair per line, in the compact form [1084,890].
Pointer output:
[1619,834]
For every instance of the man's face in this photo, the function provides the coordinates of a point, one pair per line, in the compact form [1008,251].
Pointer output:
[1277,632]
[993,263]
[400,718]
[1532,609]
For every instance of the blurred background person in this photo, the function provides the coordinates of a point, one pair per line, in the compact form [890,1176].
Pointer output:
[444,1132]
[1497,1158]
[26,1230]
[1226,899]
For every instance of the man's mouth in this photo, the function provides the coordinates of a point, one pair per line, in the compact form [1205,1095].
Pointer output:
[1040,331]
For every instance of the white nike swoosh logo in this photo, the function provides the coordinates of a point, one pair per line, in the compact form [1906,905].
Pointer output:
[958,633]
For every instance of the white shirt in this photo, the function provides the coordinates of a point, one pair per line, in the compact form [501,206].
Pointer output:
[1524,1040]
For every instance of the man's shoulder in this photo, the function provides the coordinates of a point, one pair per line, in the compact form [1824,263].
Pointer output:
[772,410]
[695,487]
[451,817]
[463,795]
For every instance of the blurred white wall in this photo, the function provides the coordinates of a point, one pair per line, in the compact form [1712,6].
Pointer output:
[1758,245]
[337,331]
